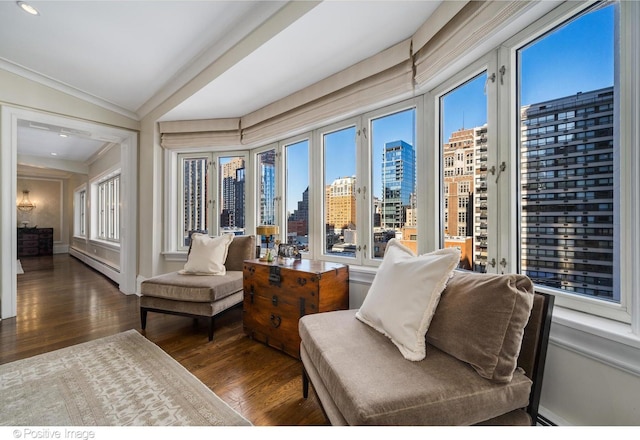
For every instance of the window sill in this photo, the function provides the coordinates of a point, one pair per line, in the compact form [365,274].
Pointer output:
[180,256]
[605,340]
[105,244]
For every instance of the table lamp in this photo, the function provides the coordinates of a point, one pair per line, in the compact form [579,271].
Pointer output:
[267,231]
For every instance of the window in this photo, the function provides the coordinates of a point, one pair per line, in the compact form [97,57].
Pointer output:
[108,209]
[297,194]
[518,180]
[463,118]
[211,196]
[565,193]
[339,152]
[231,194]
[266,193]
[393,180]
[195,195]
[79,212]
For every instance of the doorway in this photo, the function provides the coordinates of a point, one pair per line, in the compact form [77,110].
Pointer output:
[125,143]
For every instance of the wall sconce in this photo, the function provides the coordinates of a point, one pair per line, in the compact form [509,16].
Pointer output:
[25,204]
[267,231]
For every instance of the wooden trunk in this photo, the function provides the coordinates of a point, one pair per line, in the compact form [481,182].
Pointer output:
[277,296]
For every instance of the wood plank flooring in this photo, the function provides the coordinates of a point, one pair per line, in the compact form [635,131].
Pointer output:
[62,302]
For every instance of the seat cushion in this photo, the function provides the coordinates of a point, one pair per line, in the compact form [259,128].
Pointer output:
[194,288]
[371,383]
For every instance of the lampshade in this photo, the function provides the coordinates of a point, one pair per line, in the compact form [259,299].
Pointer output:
[267,230]
[25,204]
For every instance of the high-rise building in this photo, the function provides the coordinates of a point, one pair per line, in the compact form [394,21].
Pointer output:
[298,221]
[341,203]
[195,188]
[267,173]
[398,183]
[232,191]
[567,192]
[465,195]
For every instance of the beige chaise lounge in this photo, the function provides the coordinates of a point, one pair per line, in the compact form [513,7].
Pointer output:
[361,378]
[199,296]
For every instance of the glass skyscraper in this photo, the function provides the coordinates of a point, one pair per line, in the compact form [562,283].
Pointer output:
[398,183]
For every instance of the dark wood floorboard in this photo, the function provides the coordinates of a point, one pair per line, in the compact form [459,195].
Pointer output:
[62,302]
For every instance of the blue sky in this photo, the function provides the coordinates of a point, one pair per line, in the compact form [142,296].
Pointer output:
[574,58]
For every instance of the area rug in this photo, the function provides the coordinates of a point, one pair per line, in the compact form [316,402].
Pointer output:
[119,380]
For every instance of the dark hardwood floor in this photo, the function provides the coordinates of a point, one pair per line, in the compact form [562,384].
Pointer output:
[62,302]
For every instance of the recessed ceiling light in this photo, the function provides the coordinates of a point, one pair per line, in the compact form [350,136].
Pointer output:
[62,135]
[54,154]
[26,7]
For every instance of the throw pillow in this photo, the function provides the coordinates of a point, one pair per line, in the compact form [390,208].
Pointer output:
[481,319]
[207,255]
[404,295]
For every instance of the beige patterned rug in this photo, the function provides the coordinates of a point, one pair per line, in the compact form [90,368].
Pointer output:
[120,380]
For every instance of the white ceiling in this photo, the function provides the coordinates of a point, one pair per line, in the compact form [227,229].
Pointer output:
[130,56]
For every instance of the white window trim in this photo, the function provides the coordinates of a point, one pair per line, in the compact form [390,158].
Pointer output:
[365,222]
[76,211]
[172,249]
[603,338]
[282,187]
[179,218]
[629,108]
[318,157]
[94,184]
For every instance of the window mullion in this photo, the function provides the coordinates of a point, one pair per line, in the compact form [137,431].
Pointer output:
[504,181]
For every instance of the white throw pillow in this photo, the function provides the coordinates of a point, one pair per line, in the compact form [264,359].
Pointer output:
[207,255]
[404,295]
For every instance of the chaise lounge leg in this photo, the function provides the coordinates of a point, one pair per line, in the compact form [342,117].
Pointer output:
[211,330]
[305,384]
[143,318]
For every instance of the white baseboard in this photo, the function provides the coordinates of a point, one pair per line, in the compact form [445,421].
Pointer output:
[108,271]
[60,248]
[552,417]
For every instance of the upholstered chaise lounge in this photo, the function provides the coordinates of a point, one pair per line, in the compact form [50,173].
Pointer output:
[469,375]
[199,296]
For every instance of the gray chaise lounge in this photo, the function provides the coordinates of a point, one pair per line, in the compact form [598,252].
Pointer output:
[199,296]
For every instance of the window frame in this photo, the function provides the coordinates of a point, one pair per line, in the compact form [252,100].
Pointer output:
[180,199]
[80,217]
[173,249]
[318,154]
[96,185]
[282,151]
[366,148]
[627,136]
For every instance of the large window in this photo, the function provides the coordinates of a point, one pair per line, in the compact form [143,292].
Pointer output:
[108,212]
[195,195]
[531,159]
[568,150]
[393,198]
[211,196]
[80,212]
[519,159]
[297,194]
[464,147]
[340,188]
[231,194]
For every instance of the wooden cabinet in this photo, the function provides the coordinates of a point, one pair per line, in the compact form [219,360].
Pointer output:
[34,242]
[276,297]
